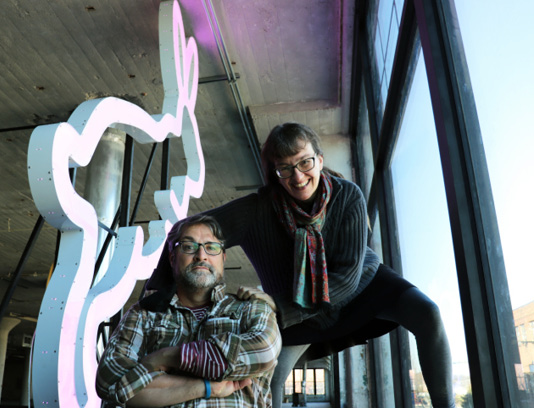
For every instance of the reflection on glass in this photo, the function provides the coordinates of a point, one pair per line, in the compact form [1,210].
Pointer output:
[387,32]
[424,232]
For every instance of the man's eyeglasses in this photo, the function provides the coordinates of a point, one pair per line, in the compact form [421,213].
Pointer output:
[303,166]
[191,247]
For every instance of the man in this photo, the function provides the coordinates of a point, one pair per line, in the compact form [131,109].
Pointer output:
[192,344]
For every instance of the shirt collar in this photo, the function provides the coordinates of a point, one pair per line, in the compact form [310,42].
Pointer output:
[217,294]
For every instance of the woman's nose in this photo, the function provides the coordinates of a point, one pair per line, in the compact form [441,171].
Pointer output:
[297,174]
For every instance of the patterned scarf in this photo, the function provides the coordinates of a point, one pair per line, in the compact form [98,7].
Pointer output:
[308,291]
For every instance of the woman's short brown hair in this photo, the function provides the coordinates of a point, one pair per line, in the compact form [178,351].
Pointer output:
[283,141]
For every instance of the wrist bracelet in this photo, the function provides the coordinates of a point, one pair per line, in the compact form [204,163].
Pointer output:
[208,388]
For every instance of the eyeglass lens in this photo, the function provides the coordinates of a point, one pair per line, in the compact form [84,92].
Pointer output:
[303,166]
[190,247]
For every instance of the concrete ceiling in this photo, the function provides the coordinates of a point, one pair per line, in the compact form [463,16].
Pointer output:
[293,63]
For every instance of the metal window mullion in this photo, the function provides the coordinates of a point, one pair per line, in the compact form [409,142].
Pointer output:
[486,307]
[382,194]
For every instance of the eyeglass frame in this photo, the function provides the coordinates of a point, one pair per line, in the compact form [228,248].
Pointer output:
[198,245]
[296,166]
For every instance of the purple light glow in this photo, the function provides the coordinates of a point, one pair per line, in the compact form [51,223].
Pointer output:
[64,363]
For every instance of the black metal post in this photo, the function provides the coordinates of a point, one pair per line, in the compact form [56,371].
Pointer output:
[18,271]
[143,183]
[165,160]
[126,187]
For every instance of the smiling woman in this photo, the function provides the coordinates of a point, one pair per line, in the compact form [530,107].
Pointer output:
[305,232]
[300,180]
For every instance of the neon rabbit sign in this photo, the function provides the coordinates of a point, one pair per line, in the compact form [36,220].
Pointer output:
[64,355]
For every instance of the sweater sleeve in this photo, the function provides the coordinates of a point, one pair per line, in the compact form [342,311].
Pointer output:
[346,243]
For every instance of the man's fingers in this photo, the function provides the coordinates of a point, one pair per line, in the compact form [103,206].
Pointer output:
[239,385]
[224,388]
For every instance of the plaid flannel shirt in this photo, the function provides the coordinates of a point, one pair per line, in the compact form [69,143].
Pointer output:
[245,332]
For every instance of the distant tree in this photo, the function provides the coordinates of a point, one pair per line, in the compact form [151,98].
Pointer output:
[466,401]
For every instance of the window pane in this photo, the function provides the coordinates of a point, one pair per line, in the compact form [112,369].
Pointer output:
[320,387]
[298,380]
[387,31]
[310,382]
[498,43]
[424,230]
[288,390]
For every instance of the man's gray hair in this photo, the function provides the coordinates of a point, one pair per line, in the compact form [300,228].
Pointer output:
[177,230]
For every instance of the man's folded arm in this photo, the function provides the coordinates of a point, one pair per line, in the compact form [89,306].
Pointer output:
[234,356]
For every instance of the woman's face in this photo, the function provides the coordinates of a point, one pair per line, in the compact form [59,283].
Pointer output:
[302,186]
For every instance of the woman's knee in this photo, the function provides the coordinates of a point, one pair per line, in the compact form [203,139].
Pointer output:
[425,313]
[431,314]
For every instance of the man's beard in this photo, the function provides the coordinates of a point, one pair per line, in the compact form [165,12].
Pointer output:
[199,280]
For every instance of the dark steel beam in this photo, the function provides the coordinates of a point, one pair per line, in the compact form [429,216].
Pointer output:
[143,183]
[486,307]
[107,241]
[165,161]
[126,187]
[384,128]
[20,266]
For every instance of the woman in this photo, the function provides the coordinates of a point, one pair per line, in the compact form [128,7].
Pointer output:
[305,233]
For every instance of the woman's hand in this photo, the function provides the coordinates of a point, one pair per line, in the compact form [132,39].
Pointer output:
[248,293]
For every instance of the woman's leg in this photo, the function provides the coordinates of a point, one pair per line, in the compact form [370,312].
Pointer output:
[420,315]
[286,361]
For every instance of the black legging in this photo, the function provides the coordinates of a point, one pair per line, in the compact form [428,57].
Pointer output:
[420,315]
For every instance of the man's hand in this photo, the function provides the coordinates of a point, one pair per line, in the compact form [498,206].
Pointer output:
[162,360]
[225,388]
[248,293]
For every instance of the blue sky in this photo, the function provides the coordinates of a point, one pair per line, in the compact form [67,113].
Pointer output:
[498,41]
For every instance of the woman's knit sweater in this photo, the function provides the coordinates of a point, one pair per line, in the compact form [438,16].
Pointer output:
[251,223]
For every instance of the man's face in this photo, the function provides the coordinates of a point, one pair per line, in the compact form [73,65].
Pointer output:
[199,270]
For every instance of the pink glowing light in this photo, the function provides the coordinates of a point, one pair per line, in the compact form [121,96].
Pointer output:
[64,363]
